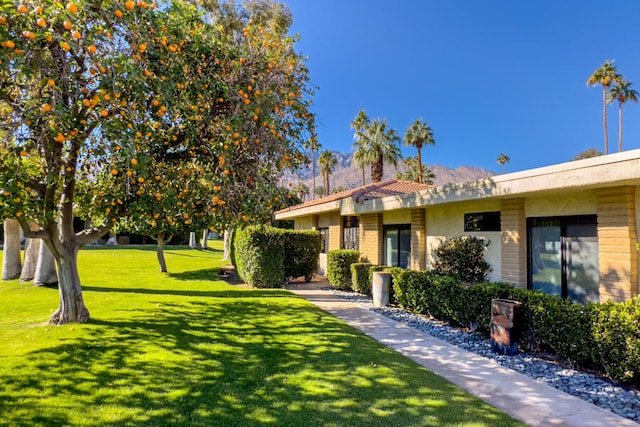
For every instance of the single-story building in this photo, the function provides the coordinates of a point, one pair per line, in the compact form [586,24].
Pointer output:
[567,229]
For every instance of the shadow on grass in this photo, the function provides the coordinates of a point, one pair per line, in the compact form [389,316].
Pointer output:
[244,362]
[205,274]
[224,293]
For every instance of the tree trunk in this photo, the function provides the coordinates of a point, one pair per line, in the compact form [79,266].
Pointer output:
[620,127]
[46,268]
[31,253]
[364,177]
[160,254]
[419,165]
[227,248]
[205,238]
[326,183]
[604,119]
[11,261]
[313,172]
[192,240]
[377,170]
[72,308]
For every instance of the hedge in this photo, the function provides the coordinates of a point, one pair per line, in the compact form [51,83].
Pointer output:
[339,267]
[259,255]
[360,281]
[600,336]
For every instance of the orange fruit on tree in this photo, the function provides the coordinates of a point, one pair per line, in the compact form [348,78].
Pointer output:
[118,13]
[92,49]
[28,35]
[67,25]
[60,138]
[134,162]
[72,7]
[41,22]
[10,44]
[104,113]
[65,46]
[23,9]
[77,35]
[129,5]
[3,20]
[141,180]
[114,171]
[142,47]
[39,10]
[46,107]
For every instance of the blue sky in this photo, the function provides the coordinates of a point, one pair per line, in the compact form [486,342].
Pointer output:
[488,76]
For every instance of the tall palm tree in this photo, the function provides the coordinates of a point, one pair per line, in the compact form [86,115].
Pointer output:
[327,161]
[604,76]
[411,171]
[623,93]
[381,145]
[503,159]
[360,154]
[313,145]
[417,135]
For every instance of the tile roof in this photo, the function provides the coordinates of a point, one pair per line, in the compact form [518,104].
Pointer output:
[376,190]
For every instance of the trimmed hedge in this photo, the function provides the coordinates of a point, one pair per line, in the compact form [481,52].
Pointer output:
[259,255]
[339,267]
[600,336]
[360,281]
[302,250]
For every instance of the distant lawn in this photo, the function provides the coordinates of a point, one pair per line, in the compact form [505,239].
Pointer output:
[187,349]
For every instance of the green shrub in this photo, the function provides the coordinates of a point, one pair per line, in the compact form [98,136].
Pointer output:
[339,267]
[302,250]
[418,291]
[395,272]
[462,257]
[360,281]
[617,332]
[259,255]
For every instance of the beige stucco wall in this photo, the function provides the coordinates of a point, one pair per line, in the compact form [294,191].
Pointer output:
[447,221]
[397,217]
[303,223]
[567,203]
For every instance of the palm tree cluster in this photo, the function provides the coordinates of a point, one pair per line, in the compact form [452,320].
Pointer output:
[614,88]
[376,143]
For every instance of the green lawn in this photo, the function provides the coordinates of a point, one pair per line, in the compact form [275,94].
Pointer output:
[185,348]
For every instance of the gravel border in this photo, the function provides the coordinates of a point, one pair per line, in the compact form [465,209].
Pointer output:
[604,393]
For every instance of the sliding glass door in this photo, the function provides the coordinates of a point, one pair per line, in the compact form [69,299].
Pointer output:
[397,245]
[563,257]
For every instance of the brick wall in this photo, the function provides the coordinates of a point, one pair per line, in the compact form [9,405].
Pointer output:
[335,230]
[514,242]
[371,237]
[617,241]
[418,239]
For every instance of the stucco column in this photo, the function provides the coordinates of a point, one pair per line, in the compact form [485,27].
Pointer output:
[617,237]
[335,231]
[371,237]
[514,242]
[418,239]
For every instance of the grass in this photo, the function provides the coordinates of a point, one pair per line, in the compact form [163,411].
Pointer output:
[185,348]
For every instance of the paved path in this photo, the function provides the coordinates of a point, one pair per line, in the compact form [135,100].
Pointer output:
[532,402]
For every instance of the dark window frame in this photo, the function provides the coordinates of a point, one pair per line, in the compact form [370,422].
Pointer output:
[351,232]
[398,228]
[482,221]
[324,231]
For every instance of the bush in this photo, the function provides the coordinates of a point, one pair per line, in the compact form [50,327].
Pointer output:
[339,267]
[302,249]
[259,256]
[360,281]
[462,257]
[617,332]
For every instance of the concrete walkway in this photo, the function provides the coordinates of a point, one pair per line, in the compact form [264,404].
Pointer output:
[523,398]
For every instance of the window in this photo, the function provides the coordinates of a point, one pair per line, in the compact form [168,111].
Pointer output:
[351,232]
[482,221]
[563,257]
[324,232]
[397,245]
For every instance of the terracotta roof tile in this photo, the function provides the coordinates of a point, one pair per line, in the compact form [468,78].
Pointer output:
[376,190]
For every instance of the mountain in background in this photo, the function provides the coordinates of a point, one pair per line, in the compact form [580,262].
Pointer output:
[346,174]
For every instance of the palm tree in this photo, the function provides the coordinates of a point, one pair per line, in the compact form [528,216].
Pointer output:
[503,159]
[604,76]
[327,161]
[360,154]
[417,135]
[313,145]
[622,92]
[381,145]
[411,172]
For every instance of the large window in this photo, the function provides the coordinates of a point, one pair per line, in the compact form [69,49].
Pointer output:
[351,232]
[563,257]
[397,245]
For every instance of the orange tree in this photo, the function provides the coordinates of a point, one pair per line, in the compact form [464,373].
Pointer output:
[114,103]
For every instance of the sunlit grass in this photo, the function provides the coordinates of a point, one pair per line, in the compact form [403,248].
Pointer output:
[185,348]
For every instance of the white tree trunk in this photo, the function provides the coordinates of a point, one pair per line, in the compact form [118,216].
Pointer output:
[11,261]
[227,250]
[31,254]
[46,268]
[205,238]
[192,240]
